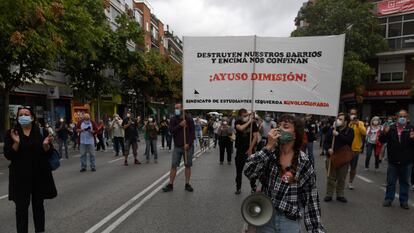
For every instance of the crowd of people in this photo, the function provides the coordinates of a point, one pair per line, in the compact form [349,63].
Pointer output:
[275,152]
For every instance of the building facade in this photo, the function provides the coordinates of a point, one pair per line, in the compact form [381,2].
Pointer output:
[173,46]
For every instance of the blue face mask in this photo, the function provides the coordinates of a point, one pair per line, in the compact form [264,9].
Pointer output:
[25,120]
[402,120]
[177,112]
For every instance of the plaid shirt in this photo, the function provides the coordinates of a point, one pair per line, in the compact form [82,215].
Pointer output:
[287,198]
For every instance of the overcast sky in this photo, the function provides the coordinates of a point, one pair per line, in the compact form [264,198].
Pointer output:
[228,17]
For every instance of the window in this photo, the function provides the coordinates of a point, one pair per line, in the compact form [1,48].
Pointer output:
[394,30]
[147,27]
[138,18]
[409,16]
[395,19]
[408,28]
[391,70]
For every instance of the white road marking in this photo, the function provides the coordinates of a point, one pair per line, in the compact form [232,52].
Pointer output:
[131,201]
[3,197]
[113,161]
[365,179]
[77,156]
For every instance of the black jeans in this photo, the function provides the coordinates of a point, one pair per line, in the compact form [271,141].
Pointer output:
[119,145]
[22,215]
[225,144]
[164,139]
[240,160]
[100,143]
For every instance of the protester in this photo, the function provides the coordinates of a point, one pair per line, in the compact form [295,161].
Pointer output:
[264,130]
[400,147]
[131,126]
[49,129]
[359,134]
[289,179]
[87,130]
[62,132]
[164,126]
[151,132]
[30,176]
[324,132]
[183,146]
[118,134]
[344,136]
[216,126]
[245,144]
[100,136]
[225,144]
[372,141]
[311,132]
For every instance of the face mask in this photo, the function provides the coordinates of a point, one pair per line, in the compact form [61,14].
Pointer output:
[245,119]
[150,119]
[164,118]
[224,122]
[128,115]
[402,121]
[338,123]
[177,112]
[285,137]
[267,119]
[25,120]
[353,117]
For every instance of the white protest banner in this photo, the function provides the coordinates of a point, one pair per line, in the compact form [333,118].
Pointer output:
[299,74]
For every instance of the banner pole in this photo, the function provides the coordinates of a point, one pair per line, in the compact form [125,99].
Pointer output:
[252,105]
[332,147]
[185,138]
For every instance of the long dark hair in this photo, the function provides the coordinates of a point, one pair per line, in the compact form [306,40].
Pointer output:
[299,127]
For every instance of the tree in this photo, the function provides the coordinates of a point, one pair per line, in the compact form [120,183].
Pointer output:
[87,48]
[356,19]
[29,42]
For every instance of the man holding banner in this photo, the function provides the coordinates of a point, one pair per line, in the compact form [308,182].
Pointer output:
[246,140]
[183,132]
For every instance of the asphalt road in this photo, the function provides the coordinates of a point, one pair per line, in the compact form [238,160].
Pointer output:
[128,199]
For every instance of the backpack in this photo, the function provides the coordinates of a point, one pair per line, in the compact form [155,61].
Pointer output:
[54,160]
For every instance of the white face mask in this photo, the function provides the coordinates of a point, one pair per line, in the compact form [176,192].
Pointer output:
[150,119]
[339,123]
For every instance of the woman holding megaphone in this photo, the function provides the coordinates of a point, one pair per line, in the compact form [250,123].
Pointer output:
[288,179]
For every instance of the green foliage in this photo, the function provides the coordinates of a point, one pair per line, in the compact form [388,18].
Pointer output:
[29,40]
[363,34]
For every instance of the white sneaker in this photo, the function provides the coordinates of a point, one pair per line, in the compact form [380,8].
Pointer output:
[350,186]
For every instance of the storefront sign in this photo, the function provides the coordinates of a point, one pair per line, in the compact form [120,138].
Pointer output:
[379,93]
[394,6]
[53,92]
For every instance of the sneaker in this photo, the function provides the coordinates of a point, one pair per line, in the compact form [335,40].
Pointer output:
[412,187]
[168,188]
[342,199]
[387,203]
[83,170]
[238,191]
[137,162]
[188,188]
[125,163]
[229,163]
[253,190]
[350,186]
[93,169]
[327,199]
[155,161]
[145,161]
[404,206]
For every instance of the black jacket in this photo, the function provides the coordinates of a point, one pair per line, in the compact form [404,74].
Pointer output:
[345,137]
[29,170]
[399,152]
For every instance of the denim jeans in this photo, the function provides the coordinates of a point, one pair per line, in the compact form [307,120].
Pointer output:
[279,224]
[63,142]
[402,173]
[370,149]
[119,145]
[151,146]
[84,150]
